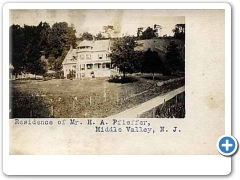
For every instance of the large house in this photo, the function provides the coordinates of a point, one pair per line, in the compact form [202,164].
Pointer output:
[90,59]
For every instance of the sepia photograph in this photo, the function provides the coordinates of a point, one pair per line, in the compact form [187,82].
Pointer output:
[96,63]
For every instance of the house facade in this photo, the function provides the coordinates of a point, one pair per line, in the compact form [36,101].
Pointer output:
[90,59]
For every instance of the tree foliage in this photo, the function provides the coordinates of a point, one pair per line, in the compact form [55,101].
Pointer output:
[99,36]
[32,51]
[139,32]
[29,43]
[123,55]
[16,46]
[152,63]
[149,33]
[86,36]
[179,31]
[174,59]
[108,30]
[157,29]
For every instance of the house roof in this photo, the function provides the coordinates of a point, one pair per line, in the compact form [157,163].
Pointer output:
[85,43]
[101,45]
[69,57]
[96,45]
[72,52]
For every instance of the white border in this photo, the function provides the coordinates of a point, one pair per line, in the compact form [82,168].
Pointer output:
[115,165]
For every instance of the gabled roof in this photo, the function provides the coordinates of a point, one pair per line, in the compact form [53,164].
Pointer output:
[73,52]
[70,56]
[85,43]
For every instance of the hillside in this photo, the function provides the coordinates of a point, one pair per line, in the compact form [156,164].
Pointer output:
[160,45]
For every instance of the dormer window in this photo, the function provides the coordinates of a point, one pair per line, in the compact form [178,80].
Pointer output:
[85,47]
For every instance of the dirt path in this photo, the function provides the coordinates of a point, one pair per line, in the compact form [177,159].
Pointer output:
[148,105]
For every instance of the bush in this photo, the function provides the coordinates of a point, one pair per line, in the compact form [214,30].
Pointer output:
[120,79]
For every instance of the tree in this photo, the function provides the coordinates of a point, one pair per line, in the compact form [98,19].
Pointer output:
[58,64]
[32,52]
[148,34]
[61,38]
[86,36]
[139,32]
[137,61]
[16,47]
[157,29]
[123,54]
[179,31]
[152,63]
[99,36]
[174,59]
[51,61]
[108,30]
[45,31]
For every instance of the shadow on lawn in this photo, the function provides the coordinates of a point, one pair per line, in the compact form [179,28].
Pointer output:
[122,80]
[160,78]
[25,105]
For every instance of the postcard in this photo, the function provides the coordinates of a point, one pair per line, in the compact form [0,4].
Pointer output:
[106,79]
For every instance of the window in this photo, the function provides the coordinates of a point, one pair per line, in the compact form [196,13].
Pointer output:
[107,56]
[82,67]
[82,57]
[100,56]
[88,56]
[89,66]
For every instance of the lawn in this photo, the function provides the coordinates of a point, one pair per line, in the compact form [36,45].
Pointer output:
[81,98]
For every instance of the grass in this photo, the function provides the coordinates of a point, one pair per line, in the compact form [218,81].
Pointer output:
[80,98]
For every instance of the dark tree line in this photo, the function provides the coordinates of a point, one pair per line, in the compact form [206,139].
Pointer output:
[174,59]
[105,34]
[150,33]
[30,44]
[152,63]
[179,31]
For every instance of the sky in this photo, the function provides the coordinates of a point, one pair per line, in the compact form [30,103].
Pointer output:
[124,21]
